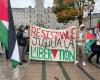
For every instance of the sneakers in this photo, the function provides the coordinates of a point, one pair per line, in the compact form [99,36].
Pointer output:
[76,62]
[24,61]
[84,64]
[20,63]
[89,61]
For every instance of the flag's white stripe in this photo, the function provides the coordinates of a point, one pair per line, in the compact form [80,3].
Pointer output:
[5,23]
[15,55]
[87,40]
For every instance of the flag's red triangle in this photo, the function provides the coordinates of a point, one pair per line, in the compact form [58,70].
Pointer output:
[90,35]
[54,51]
[98,25]
[4,10]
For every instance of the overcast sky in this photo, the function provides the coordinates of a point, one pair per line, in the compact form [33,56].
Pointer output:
[26,3]
[97,6]
[48,3]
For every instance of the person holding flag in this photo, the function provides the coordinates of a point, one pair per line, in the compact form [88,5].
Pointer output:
[21,44]
[95,47]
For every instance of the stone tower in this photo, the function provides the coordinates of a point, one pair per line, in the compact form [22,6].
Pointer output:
[39,4]
[39,12]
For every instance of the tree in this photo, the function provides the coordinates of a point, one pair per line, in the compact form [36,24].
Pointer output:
[67,10]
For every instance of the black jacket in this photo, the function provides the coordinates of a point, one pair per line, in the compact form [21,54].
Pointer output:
[21,40]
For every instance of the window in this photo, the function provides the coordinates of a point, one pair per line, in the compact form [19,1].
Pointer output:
[41,21]
[30,21]
[30,16]
[57,27]
[48,10]
[37,20]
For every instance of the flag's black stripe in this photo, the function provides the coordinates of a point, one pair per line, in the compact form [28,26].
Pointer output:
[43,77]
[64,71]
[85,72]
[11,31]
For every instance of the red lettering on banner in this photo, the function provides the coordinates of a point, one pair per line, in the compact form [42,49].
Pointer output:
[38,32]
[45,34]
[64,35]
[33,33]
[72,33]
[53,34]
[58,34]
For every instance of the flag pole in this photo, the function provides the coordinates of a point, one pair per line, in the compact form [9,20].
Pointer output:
[29,43]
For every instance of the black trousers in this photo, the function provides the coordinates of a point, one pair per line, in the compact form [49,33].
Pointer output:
[93,54]
[96,51]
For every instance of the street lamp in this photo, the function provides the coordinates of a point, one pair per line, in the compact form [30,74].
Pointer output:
[89,7]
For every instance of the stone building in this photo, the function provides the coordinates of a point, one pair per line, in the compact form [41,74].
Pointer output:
[39,15]
[86,21]
[94,18]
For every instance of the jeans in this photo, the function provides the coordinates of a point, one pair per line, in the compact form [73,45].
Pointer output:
[21,52]
[81,53]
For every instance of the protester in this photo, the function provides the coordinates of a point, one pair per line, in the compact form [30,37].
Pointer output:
[26,32]
[21,43]
[81,44]
[26,36]
[95,47]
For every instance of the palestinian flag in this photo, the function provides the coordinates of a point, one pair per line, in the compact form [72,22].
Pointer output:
[90,39]
[4,23]
[7,32]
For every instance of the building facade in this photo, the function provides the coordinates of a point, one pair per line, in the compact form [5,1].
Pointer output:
[39,15]
[94,19]
[86,21]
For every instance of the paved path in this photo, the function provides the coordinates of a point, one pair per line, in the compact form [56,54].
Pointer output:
[45,70]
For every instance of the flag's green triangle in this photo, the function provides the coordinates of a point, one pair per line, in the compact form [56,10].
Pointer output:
[89,41]
[3,35]
[14,63]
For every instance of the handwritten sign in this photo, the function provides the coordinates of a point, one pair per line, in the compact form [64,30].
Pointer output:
[53,45]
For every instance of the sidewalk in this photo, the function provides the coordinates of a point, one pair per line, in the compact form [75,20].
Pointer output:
[41,70]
